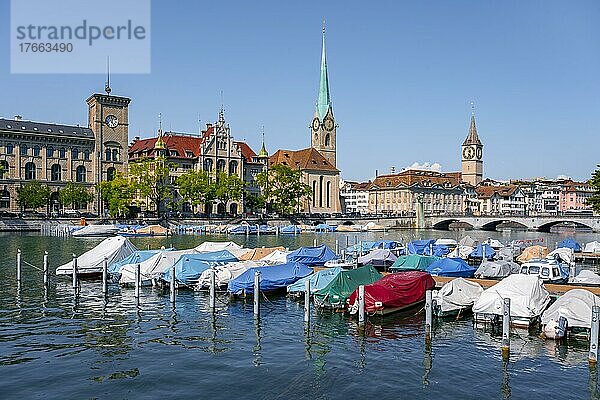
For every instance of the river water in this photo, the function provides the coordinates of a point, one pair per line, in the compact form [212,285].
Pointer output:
[55,345]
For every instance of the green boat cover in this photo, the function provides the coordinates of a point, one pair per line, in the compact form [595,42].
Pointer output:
[412,262]
[341,287]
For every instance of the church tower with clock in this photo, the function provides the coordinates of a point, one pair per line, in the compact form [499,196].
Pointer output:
[323,127]
[472,156]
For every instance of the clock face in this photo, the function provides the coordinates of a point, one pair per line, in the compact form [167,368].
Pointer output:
[479,153]
[329,125]
[468,153]
[111,121]
[316,124]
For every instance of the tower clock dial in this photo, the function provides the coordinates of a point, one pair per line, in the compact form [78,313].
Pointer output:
[479,153]
[329,124]
[111,121]
[316,124]
[468,153]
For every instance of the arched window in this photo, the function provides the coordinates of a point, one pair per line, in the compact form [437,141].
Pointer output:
[86,155]
[24,149]
[320,191]
[327,140]
[115,155]
[111,173]
[10,148]
[4,198]
[328,194]
[29,171]
[80,174]
[55,172]
[75,154]
[233,165]
[107,154]
[62,152]
[314,193]
[221,166]
[36,151]
[208,165]
[50,152]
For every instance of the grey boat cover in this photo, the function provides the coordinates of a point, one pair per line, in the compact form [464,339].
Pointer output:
[461,251]
[468,241]
[227,272]
[508,253]
[378,257]
[457,294]
[153,267]
[575,305]
[496,269]
[114,249]
[527,294]
[592,247]
[446,242]
[586,277]
[565,254]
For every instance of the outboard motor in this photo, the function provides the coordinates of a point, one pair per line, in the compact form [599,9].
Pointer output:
[556,330]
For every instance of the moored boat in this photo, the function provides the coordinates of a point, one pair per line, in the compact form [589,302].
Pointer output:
[91,262]
[571,314]
[335,294]
[456,297]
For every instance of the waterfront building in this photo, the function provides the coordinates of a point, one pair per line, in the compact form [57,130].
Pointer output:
[472,156]
[573,196]
[354,197]
[501,199]
[55,154]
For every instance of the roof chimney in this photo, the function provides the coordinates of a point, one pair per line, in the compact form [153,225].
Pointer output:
[18,117]
[392,170]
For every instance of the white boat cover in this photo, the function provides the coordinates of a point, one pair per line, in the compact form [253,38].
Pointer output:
[446,242]
[528,297]
[378,256]
[152,267]
[461,251]
[114,249]
[575,305]
[508,253]
[586,277]
[217,246]
[96,230]
[468,241]
[566,255]
[372,226]
[494,244]
[592,247]
[457,294]
[496,269]
[276,257]
[227,272]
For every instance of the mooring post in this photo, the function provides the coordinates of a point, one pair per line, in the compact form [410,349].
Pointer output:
[74,272]
[593,356]
[45,268]
[360,249]
[430,249]
[19,265]
[211,299]
[105,276]
[137,281]
[361,306]
[347,241]
[256,293]
[315,242]
[506,328]
[572,272]
[172,288]
[307,301]
[428,314]
[337,247]
[276,230]
[257,229]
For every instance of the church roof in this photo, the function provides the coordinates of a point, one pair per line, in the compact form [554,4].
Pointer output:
[472,137]
[305,159]
[323,100]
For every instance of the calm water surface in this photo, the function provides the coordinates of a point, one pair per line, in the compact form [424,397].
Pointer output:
[54,344]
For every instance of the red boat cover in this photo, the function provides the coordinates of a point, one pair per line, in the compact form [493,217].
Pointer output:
[395,290]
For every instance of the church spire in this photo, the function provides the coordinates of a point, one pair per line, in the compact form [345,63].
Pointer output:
[323,101]
[263,151]
[472,137]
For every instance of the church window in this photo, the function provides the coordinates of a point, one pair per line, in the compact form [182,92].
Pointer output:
[49,152]
[107,154]
[327,140]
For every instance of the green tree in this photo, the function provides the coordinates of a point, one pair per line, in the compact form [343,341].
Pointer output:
[283,188]
[118,195]
[196,187]
[151,179]
[33,195]
[228,187]
[74,194]
[594,201]
[254,203]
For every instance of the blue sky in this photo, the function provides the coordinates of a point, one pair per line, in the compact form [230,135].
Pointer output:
[402,76]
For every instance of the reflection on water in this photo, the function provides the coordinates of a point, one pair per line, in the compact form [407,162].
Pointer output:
[68,343]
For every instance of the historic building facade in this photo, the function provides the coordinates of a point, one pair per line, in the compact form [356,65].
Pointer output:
[55,154]
[472,156]
[354,197]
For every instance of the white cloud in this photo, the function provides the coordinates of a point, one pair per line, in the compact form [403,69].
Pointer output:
[425,167]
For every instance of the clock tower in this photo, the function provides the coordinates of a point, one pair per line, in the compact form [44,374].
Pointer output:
[472,156]
[323,127]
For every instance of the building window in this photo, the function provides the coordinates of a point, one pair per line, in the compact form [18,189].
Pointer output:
[115,155]
[55,172]
[86,155]
[328,194]
[10,148]
[36,151]
[111,173]
[314,193]
[221,166]
[62,153]
[29,171]
[49,152]
[3,169]
[107,154]
[233,167]
[327,140]
[4,198]
[320,191]
[208,165]
[75,154]
[80,174]
[24,149]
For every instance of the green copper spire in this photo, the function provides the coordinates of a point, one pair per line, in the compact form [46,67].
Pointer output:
[323,102]
[263,151]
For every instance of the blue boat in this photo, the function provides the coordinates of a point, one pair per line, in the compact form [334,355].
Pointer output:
[271,278]
[290,230]
[189,267]
[318,281]
[452,267]
[134,258]
[312,256]
[324,228]
[483,251]
[570,243]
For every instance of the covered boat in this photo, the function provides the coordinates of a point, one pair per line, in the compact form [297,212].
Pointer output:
[373,227]
[311,256]
[532,252]
[461,251]
[334,295]
[91,262]
[456,297]
[548,269]
[363,247]
[271,278]
[276,257]
[216,246]
[528,299]
[452,267]
[447,242]
[563,254]
[150,230]
[258,253]
[137,256]
[420,247]
[496,269]
[324,228]
[227,272]
[586,277]
[394,292]
[152,268]
[318,281]
[574,307]
[483,252]
[570,243]
[494,243]
[385,244]
[592,247]
[379,258]
[290,230]
[412,262]
[468,241]
[96,230]
[189,267]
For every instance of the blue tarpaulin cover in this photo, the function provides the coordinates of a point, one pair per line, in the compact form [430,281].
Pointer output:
[312,256]
[190,266]
[133,258]
[481,249]
[420,247]
[290,229]
[271,278]
[318,280]
[570,243]
[385,244]
[356,248]
[454,267]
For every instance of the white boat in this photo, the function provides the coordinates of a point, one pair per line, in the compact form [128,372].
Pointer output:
[563,254]
[456,297]
[461,251]
[227,272]
[592,247]
[496,269]
[549,270]
[585,277]
[570,314]
[96,230]
[528,300]
[340,263]
[152,268]
[277,257]
[91,262]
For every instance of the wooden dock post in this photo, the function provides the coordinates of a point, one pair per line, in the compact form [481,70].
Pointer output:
[428,314]
[307,301]
[74,273]
[105,276]
[45,268]
[361,306]
[337,247]
[18,265]
[506,328]
[256,293]
[138,282]
[172,286]
[593,355]
[211,293]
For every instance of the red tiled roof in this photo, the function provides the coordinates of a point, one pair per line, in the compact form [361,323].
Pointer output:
[309,159]
[412,177]
[247,152]
[486,192]
[181,144]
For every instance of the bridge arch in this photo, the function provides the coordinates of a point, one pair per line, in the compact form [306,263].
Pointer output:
[493,225]
[548,225]
[348,223]
[444,225]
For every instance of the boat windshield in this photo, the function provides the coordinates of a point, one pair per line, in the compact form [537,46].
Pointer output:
[545,271]
[534,270]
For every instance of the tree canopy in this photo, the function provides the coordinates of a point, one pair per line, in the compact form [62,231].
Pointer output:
[228,187]
[594,201]
[118,195]
[74,194]
[151,180]
[33,195]
[283,188]
[196,187]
